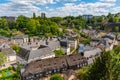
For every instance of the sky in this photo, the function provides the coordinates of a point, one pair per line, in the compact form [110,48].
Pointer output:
[60,8]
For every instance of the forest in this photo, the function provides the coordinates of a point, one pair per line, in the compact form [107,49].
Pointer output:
[43,26]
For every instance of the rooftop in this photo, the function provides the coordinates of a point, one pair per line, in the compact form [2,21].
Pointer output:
[36,53]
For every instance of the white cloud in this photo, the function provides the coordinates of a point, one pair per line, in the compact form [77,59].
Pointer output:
[97,8]
[17,8]
[47,7]
[116,9]
[27,7]
[67,1]
[109,1]
[38,2]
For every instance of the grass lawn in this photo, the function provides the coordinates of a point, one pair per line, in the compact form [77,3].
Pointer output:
[58,52]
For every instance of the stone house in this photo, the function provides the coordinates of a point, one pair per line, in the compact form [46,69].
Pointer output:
[45,67]
[11,57]
[19,39]
[34,51]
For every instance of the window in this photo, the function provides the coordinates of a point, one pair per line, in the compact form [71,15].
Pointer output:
[50,72]
[83,64]
[37,75]
[40,74]
[54,70]
[46,73]
[27,77]
[65,68]
[58,70]
[80,65]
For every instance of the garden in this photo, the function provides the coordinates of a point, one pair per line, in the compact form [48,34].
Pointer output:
[10,74]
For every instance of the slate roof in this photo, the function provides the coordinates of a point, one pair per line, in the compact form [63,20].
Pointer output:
[118,37]
[4,46]
[24,53]
[105,43]
[20,36]
[3,39]
[95,39]
[109,35]
[54,44]
[1,44]
[42,52]
[75,59]
[64,43]
[87,47]
[29,45]
[8,52]
[44,65]
[39,53]
[92,52]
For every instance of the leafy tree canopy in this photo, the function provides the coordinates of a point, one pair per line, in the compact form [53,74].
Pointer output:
[3,58]
[56,77]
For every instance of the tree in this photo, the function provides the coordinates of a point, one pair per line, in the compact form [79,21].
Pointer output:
[54,28]
[56,19]
[48,35]
[21,22]
[110,17]
[87,40]
[100,19]
[83,73]
[106,67]
[58,52]
[16,48]
[3,23]
[56,77]
[12,25]
[3,58]
[93,20]
[116,18]
[31,26]
[5,33]
[116,29]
